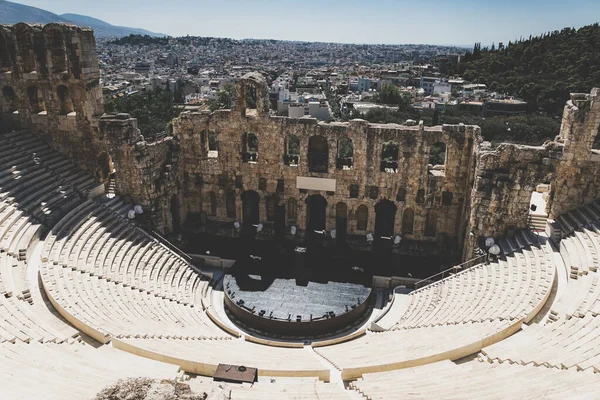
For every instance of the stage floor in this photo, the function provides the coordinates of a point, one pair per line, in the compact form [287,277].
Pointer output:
[281,298]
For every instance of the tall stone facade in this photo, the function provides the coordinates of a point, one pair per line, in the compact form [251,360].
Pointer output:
[50,84]
[289,175]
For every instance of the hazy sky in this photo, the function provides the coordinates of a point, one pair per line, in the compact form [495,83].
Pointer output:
[367,21]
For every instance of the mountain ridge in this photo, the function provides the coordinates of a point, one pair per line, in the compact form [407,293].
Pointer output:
[12,13]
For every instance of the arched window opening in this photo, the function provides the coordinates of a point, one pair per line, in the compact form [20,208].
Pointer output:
[292,209]
[213,145]
[385,216]
[203,141]
[250,97]
[389,157]
[315,215]
[249,147]
[362,218]
[230,204]
[212,200]
[318,154]
[36,103]
[437,155]
[401,195]
[408,221]
[345,156]
[64,100]
[292,156]
[59,51]
[25,47]
[430,223]
[271,205]
[107,173]
[250,212]
[9,100]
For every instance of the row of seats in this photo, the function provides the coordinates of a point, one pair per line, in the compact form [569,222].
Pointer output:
[403,348]
[568,338]
[478,380]
[37,187]
[98,239]
[65,371]
[512,288]
[203,356]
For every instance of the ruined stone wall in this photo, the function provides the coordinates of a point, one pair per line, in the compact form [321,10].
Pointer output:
[415,185]
[507,175]
[50,84]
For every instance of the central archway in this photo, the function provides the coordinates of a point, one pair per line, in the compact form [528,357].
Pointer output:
[385,215]
[316,214]
[250,211]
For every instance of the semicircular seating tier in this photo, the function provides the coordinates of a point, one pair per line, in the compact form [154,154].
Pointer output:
[568,338]
[107,278]
[478,379]
[37,188]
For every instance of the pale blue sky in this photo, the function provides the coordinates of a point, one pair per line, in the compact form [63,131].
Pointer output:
[368,21]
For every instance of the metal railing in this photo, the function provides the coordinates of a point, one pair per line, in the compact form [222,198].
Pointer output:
[171,246]
[450,271]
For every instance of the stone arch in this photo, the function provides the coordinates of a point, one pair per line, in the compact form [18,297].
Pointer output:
[9,100]
[230,204]
[362,218]
[316,215]
[249,147]
[59,48]
[36,103]
[318,154]
[292,209]
[431,223]
[401,195]
[25,35]
[385,215]
[271,207]
[7,50]
[209,143]
[252,88]
[408,221]
[341,221]
[437,154]
[345,153]
[250,208]
[212,202]
[65,105]
[292,150]
[390,151]
[105,167]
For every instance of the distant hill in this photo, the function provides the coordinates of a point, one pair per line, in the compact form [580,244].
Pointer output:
[542,70]
[104,29]
[12,13]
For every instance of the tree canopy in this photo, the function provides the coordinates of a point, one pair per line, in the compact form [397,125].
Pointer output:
[154,110]
[542,70]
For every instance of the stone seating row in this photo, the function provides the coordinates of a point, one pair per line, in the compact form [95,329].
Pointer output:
[569,343]
[273,388]
[105,309]
[511,288]
[69,371]
[203,356]
[102,242]
[404,348]
[478,380]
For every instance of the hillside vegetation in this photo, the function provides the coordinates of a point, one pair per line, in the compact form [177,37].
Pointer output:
[542,70]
